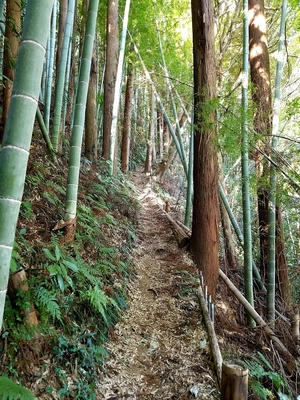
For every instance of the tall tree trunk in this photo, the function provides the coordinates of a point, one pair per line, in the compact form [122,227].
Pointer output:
[91,126]
[282,277]
[50,66]
[63,10]
[73,73]
[276,250]
[229,252]
[247,232]
[160,130]
[118,92]
[150,144]
[11,47]
[204,241]
[127,122]
[261,95]
[111,65]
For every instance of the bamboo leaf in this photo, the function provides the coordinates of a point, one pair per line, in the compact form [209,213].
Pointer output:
[60,282]
[49,254]
[71,266]
[58,253]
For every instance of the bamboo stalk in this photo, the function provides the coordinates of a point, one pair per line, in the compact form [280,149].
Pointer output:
[291,363]
[214,346]
[180,235]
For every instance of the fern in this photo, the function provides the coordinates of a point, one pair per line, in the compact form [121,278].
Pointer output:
[55,186]
[89,274]
[10,390]
[48,300]
[259,367]
[98,299]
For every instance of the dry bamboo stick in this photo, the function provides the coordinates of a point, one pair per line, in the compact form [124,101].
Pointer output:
[214,346]
[291,363]
[181,237]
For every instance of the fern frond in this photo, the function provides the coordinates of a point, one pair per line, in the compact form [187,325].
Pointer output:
[49,302]
[10,390]
[97,299]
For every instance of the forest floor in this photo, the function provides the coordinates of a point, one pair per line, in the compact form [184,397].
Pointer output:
[160,348]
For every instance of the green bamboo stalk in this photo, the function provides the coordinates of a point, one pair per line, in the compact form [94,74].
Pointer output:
[44,130]
[248,280]
[79,115]
[2,32]
[272,195]
[67,81]
[158,99]
[118,86]
[2,18]
[178,130]
[50,64]
[239,235]
[18,131]
[59,95]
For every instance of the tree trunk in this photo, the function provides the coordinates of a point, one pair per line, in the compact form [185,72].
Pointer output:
[229,252]
[127,122]
[73,74]
[205,236]
[167,161]
[261,95]
[11,47]
[150,144]
[160,130]
[91,126]
[282,277]
[111,65]
[63,10]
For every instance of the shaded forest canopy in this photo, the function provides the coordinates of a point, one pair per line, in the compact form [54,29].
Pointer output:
[203,96]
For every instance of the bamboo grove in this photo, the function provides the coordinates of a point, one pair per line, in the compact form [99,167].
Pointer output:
[213,101]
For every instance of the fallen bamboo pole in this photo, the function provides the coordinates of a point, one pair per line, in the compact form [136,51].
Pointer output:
[290,361]
[214,346]
[181,236]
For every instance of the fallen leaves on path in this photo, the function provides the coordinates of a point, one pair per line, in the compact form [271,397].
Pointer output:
[160,349]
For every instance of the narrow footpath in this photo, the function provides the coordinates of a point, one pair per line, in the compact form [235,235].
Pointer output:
[160,348]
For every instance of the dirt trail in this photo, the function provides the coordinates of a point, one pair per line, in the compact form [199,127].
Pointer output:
[160,348]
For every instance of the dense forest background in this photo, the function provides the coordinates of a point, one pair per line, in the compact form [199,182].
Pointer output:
[208,105]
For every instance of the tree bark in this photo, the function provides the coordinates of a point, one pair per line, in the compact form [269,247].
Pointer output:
[111,65]
[205,236]
[63,10]
[150,144]
[261,95]
[91,126]
[127,122]
[282,277]
[160,130]
[11,47]
[229,252]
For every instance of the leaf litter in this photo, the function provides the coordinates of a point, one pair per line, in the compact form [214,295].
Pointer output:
[159,350]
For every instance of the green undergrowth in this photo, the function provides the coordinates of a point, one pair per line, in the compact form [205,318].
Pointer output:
[77,289]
